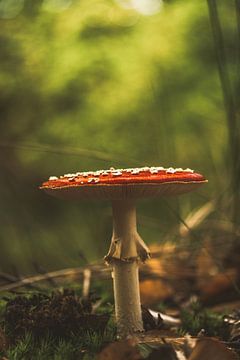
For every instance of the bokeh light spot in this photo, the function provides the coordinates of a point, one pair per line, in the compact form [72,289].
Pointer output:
[56,5]
[144,7]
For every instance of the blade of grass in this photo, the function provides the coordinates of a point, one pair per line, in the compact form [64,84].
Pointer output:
[230,101]
[66,150]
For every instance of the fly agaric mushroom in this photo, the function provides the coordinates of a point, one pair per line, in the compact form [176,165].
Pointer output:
[123,187]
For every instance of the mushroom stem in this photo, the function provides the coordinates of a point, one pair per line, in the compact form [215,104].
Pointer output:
[126,249]
[127,297]
[126,243]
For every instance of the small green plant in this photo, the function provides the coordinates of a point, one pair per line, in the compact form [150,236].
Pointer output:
[196,319]
[22,349]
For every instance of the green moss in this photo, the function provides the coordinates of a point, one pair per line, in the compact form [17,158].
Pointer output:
[79,346]
[82,343]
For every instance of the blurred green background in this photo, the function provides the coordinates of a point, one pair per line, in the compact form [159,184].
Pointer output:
[89,84]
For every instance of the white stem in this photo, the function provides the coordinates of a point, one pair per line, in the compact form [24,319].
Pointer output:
[127,298]
[126,249]
[126,243]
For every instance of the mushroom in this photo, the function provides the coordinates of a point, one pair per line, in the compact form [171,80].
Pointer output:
[123,187]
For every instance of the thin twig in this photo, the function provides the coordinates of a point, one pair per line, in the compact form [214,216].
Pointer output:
[86,282]
[8,277]
[39,269]
[101,271]
[54,274]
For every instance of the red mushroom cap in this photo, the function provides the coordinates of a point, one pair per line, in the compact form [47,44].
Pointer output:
[124,183]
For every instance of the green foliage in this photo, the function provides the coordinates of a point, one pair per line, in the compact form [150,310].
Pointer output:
[87,85]
[22,350]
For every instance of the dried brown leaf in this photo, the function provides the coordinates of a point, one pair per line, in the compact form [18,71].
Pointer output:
[164,352]
[209,348]
[120,350]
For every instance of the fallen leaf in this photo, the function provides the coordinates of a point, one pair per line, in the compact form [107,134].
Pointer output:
[209,348]
[164,352]
[120,350]
[155,290]
[151,321]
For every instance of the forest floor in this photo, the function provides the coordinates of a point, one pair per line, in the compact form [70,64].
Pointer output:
[62,325]
[191,309]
